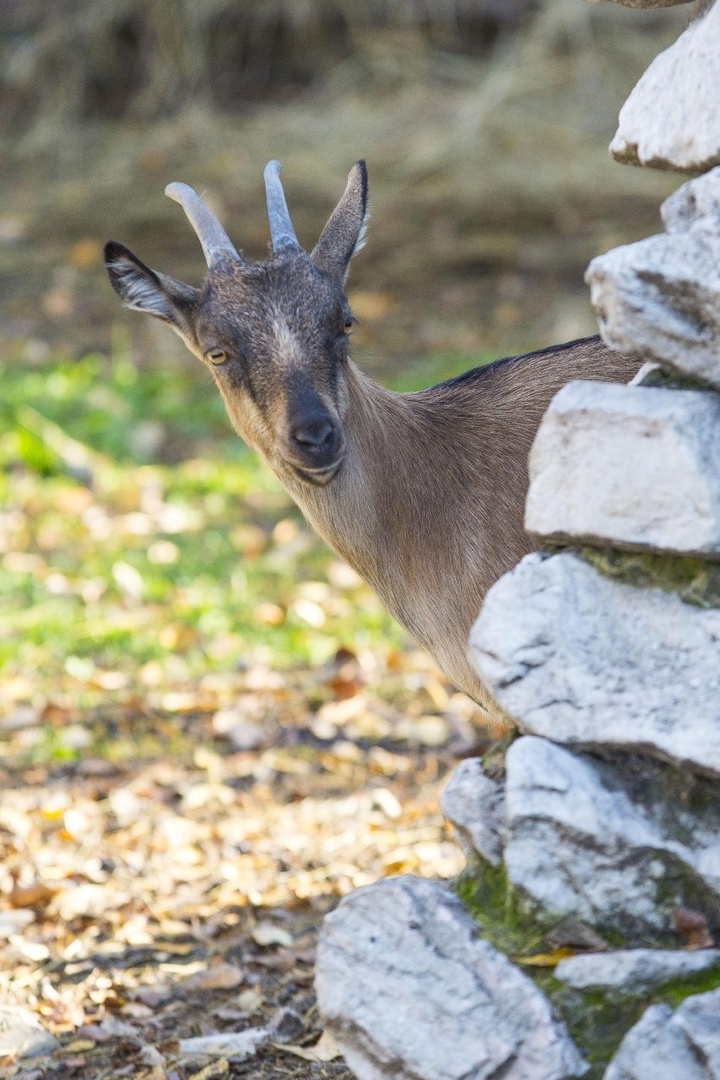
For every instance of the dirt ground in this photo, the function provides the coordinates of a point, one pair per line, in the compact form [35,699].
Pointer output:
[157,899]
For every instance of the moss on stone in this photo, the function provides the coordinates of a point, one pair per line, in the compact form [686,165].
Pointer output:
[496,905]
[667,379]
[695,580]
[597,1020]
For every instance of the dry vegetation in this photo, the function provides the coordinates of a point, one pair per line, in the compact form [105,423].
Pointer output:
[485,126]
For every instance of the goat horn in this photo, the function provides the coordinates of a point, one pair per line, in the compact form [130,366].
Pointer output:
[216,243]
[281,228]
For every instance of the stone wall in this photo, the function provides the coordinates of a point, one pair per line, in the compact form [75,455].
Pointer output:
[585,946]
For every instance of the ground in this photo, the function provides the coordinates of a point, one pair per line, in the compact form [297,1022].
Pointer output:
[210,729]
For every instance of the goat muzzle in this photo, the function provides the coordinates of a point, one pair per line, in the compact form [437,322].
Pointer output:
[315,448]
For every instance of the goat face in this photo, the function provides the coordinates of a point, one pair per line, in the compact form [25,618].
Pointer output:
[274,334]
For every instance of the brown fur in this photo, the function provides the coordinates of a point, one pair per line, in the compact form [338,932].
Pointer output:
[423,494]
[429,505]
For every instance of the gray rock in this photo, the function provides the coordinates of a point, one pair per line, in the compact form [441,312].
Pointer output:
[671,119]
[699,1018]
[694,204]
[613,844]
[474,804]
[634,971]
[635,466]
[660,298]
[585,660]
[21,1035]
[410,991]
[684,1045]
[652,1040]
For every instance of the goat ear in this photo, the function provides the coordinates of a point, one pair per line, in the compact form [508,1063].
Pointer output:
[148,290]
[344,234]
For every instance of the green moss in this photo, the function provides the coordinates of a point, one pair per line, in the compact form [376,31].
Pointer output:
[597,1020]
[504,916]
[695,580]
[671,380]
[507,921]
[675,992]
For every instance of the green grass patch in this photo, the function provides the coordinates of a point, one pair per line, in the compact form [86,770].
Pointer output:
[140,537]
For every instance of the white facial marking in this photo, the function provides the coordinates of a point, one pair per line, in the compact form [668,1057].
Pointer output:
[288,348]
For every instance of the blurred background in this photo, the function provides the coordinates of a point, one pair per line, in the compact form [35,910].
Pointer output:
[143,552]
[484,123]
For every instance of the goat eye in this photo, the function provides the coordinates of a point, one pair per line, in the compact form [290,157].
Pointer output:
[216,356]
[348,324]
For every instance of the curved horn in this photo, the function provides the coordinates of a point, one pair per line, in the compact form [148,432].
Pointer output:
[216,243]
[281,228]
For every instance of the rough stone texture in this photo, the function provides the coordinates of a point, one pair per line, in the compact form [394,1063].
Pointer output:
[671,119]
[630,465]
[582,659]
[474,804]
[21,1034]
[660,298]
[696,203]
[411,992]
[634,971]
[663,1045]
[613,844]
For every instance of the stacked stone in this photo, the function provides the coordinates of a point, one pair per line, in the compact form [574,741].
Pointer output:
[605,649]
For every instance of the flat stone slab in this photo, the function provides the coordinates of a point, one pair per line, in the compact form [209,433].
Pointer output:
[474,804]
[410,991]
[619,844]
[667,1045]
[671,119]
[631,465]
[634,971]
[660,297]
[584,660]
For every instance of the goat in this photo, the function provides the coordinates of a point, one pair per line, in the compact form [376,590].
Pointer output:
[422,493]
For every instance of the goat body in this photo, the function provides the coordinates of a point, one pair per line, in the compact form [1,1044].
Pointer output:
[429,505]
[424,493]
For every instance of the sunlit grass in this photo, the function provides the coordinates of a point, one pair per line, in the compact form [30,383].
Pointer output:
[120,569]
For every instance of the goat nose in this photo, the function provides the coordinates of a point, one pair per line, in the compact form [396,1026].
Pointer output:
[317,434]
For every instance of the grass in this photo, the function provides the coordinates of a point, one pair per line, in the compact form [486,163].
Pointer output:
[122,571]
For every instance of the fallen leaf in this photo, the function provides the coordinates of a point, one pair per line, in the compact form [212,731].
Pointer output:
[214,1071]
[325,1049]
[693,926]
[36,895]
[221,976]
[250,1000]
[226,1044]
[546,960]
[78,1046]
[266,933]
